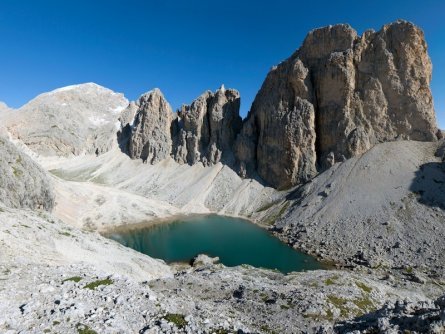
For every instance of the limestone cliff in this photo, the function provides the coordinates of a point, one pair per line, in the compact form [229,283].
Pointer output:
[150,137]
[206,130]
[336,97]
[202,132]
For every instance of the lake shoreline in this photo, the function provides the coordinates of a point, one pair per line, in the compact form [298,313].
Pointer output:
[216,236]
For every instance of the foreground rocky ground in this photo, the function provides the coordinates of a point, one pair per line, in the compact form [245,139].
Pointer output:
[58,279]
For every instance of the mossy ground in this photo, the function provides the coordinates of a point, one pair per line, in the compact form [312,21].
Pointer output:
[95,284]
[177,319]
[84,329]
[76,279]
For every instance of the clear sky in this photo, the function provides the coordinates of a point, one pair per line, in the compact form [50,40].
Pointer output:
[182,47]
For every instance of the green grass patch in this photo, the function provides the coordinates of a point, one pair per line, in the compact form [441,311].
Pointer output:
[266,206]
[266,329]
[76,279]
[276,214]
[17,172]
[264,296]
[177,319]
[283,209]
[84,329]
[95,284]
[409,270]
[365,305]
[364,287]
[220,331]
[339,303]
[331,280]
[66,234]
[329,316]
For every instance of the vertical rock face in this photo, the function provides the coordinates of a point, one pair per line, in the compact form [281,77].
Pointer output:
[205,131]
[150,137]
[336,97]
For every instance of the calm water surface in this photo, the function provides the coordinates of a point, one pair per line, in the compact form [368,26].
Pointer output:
[234,241]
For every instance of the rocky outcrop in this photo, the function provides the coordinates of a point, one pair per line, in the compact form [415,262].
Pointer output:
[23,184]
[206,130]
[150,137]
[203,132]
[336,97]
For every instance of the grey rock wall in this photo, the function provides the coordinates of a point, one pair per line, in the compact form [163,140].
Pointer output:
[150,137]
[336,97]
[205,131]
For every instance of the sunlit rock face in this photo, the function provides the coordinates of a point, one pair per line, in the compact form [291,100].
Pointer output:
[150,138]
[336,97]
[205,131]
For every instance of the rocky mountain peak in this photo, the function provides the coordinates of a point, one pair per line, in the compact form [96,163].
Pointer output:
[334,98]
[322,42]
[70,120]
[3,106]
[205,130]
[202,132]
[150,138]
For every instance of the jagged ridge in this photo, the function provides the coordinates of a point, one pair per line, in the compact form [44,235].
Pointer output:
[334,98]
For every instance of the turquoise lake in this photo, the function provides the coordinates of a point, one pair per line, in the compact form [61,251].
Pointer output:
[234,241]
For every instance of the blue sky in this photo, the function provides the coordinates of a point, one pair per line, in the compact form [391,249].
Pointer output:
[182,47]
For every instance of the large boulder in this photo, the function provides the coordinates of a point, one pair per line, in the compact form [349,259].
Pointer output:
[336,97]
[205,131]
[150,139]
[23,184]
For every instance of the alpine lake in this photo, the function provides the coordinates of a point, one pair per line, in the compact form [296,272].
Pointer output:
[235,241]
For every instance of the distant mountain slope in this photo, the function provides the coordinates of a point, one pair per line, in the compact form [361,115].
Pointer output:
[68,121]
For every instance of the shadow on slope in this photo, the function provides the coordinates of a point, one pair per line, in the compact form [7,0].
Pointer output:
[227,158]
[418,317]
[123,136]
[429,184]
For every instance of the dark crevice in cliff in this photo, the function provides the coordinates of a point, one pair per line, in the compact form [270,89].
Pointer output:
[318,152]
